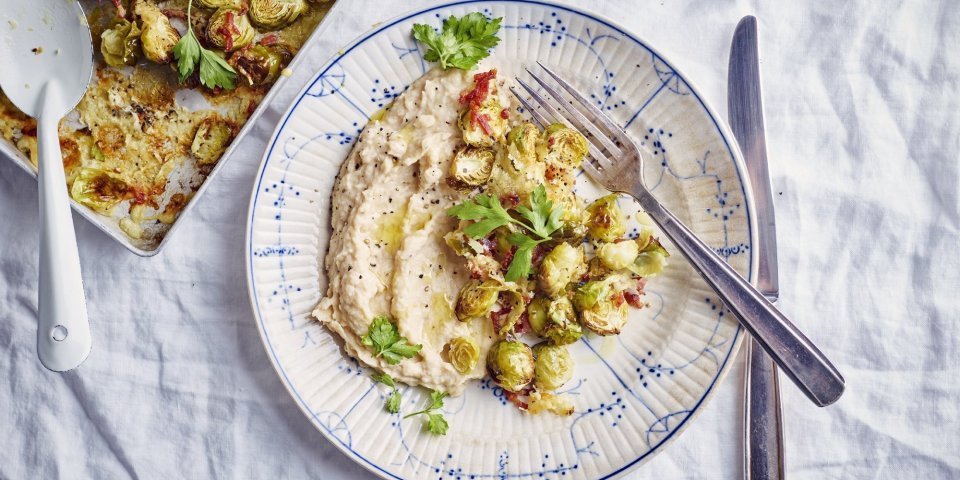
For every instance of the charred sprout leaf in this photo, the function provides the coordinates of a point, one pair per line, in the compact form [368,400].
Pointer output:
[436,424]
[214,70]
[463,41]
[392,404]
[387,342]
[275,14]
[513,300]
[120,44]
[98,190]
[212,137]
[158,37]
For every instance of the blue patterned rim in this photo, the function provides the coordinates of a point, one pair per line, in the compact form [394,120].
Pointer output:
[725,134]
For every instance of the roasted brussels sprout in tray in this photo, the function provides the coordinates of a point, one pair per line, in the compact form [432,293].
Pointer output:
[176,82]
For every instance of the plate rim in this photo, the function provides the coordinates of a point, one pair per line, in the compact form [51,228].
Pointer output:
[726,134]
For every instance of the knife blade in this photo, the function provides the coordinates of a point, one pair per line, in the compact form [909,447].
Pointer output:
[763,425]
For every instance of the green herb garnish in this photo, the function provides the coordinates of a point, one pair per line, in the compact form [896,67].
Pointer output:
[463,41]
[540,220]
[436,424]
[387,342]
[392,404]
[214,70]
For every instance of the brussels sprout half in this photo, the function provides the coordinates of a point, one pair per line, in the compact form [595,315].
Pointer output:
[483,126]
[619,255]
[594,301]
[561,327]
[564,264]
[564,146]
[214,4]
[511,365]
[275,14]
[230,29]
[553,366]
[477,298]
[259,64]
[463,354]
[605,222]
[211,140]
[471,166]
[158,37]
[120,44]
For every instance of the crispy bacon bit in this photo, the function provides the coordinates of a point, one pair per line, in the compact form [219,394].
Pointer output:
[484,121]
[515,399]
[508,257]
[617,299]
[539,252]
[29,130]
[498,316]
[481,88]
[504,114]
[510,200]
[268,40]
[228,30]
[551,141]
[633,298]
[489,244]
[523,324]
[121,12]
[175,13]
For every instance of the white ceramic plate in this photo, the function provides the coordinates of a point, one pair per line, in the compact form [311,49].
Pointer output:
[633,392]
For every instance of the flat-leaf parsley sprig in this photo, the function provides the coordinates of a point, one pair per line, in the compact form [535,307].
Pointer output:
[392,404]
[386,341]
[462,42]
[540,220]
[436,424]
[214,70]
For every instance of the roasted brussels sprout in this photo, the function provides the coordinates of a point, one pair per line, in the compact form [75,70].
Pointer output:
[652,258]
[483,126]
[212,138]
[606,223]
[561,327]
[511,365]
[522,145]
[564,146]
[463,354]
[275,14]
[259,65]
[220,3]
[99,190]
[230,29]
[120,44]
[511,302]
[546,402]
[553,366]
[477,298]
[537,314]
[471,166]
[561,266]
[599,310]
[619,255]
[158,37]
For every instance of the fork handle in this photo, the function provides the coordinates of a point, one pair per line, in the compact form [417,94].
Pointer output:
[793,352]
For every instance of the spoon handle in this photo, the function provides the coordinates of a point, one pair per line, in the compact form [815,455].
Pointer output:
[63,334]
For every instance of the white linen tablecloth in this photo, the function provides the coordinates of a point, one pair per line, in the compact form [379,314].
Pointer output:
[863,115]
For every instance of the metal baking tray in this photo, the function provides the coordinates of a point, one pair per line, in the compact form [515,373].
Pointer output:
[111,225]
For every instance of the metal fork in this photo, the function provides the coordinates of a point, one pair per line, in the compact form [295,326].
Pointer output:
[617,164]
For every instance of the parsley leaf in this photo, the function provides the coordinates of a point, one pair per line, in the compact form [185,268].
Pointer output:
[392,404]
[387,342]
[540,219]
[436,424]
[214,70]
[461,43]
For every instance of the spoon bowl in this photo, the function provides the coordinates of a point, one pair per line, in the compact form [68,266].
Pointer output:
[47,55]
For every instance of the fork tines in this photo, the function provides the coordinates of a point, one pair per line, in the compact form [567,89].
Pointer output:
[576,111]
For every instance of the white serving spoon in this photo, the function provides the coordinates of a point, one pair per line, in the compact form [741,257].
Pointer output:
[46,61]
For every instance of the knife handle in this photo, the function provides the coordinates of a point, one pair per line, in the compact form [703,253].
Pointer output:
[793,352]
[763,432]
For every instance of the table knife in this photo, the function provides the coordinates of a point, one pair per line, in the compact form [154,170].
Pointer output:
[763,426]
